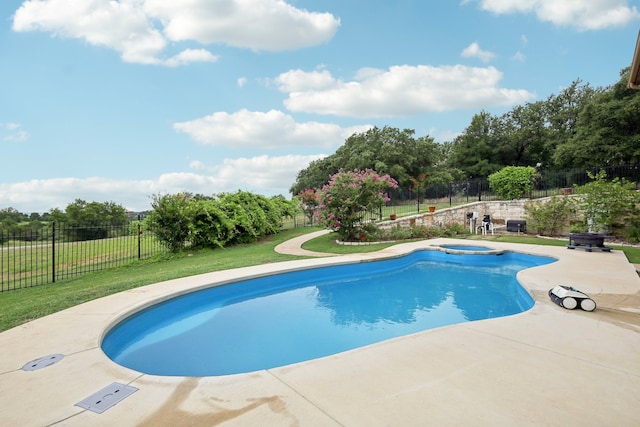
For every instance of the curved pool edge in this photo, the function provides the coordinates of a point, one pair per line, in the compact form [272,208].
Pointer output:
[210,280]
[385,369]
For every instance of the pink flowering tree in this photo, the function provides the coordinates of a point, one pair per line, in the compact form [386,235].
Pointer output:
[349,195]
[310,203]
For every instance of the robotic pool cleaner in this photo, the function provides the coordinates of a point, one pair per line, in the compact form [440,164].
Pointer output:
[570,298]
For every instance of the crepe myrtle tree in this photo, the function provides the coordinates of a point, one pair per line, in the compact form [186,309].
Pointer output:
[348,195]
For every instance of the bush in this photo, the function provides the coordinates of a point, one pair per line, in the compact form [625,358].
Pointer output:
[229,218]
[551,217]
[372,233]
[170,220]
[512,182]
[608,205]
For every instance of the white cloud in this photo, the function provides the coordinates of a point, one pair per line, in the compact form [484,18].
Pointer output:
[583,15]
[299,80]
[191,55]
[121,26]
[519,56]
[11,132]
[141,29]
[242,81]
[262,175]
[400,91]
[474,51]
[270,25]
[273,129]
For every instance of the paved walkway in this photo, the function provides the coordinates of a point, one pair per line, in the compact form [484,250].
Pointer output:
[294,246]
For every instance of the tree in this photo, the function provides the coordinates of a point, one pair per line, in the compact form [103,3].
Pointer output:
[562,113]
[348,195]
[607,130]
[390,151]
[310,201]
[89,221]
[473,152]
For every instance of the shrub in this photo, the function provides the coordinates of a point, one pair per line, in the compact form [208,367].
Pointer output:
[551,217]
[512,182]
[608,205]
[229,218]
[170,220]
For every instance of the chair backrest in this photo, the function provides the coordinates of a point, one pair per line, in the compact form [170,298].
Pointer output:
[487,218]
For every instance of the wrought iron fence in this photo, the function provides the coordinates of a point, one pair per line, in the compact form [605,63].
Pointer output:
[405,201]
[57,251]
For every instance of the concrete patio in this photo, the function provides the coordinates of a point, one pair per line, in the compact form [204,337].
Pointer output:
[547,366]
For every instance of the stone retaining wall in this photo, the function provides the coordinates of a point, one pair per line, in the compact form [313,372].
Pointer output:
[500,212]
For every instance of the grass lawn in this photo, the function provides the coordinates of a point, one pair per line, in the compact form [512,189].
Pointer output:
[21,306]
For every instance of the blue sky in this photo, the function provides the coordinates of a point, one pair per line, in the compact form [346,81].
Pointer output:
[119,100]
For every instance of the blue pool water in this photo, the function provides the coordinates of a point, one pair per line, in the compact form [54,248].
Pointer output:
[287,318]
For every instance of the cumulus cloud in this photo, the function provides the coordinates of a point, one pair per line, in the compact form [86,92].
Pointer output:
[270,25]
[582,15]
[474,51]
[140,30]
[273,129]
[262,175]
[399,91]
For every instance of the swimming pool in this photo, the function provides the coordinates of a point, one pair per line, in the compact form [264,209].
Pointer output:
[287,318]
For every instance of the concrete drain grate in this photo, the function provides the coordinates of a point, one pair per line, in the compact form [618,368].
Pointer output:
[104,399]
[43,362]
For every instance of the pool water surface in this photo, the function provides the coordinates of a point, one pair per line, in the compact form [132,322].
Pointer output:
[292,317]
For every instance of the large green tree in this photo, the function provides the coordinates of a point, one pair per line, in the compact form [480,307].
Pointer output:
[387,150]
[607,130]
[90,220]
[474,151]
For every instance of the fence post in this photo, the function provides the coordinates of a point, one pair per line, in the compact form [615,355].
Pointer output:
[480,190]
[53,252]
[139,233]
[468,188]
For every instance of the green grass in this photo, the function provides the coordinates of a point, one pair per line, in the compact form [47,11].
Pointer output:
[32,263]
[20,306]
[23,305]
[327,243]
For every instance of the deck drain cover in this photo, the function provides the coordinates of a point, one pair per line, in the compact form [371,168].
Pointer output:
[107,397]
[43,362]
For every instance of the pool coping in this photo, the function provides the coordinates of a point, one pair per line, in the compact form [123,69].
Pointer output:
[519,369]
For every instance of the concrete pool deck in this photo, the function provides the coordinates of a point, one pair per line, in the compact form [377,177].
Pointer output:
[547,366]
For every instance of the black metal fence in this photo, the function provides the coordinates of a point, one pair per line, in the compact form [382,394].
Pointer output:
[474,190]
[56,251]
